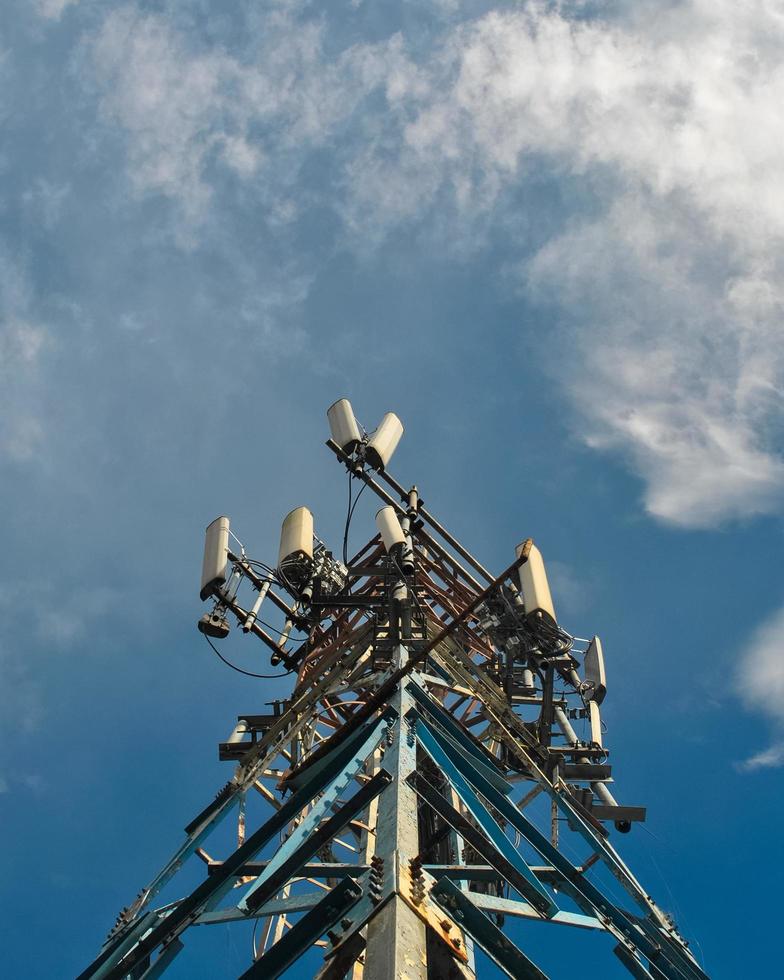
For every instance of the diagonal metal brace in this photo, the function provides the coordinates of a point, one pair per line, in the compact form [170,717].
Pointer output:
[457,770]
[462,826]
[324,833]
[655,946]
[210,891]
[485,932]
[330,910]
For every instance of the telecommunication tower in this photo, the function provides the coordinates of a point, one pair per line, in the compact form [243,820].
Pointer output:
[414,793]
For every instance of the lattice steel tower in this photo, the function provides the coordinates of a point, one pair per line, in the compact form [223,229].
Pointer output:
[413,795]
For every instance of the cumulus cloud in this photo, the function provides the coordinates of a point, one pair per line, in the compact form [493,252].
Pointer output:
[662,271]
[677,369]
[671,290]
[761,685]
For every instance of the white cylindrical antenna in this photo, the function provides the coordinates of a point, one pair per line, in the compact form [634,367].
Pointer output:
[296,536]
[240,730]
[275,659]
[595,686]
[604,794]
[565,725]
[343,426]
[384,441]
[595,717]
[396,541]
[216,550]
[533,584]
[250,619]
[389,528]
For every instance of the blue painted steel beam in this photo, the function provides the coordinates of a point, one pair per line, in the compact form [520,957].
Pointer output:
[659,949]
[480,872]
[652,929]
[314,869]
[212,890]
[329,911]
[464,872]
[485,932]
[316,839]
[352,757]
[345,750]
[454,729]
[506,906]
[505,870]
[632,964]
[300,902]
[119,945]
[438,752]
[163,961]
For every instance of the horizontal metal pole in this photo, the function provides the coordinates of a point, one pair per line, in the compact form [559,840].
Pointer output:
[506,906]
[313,870]
[479,872]
[278,906]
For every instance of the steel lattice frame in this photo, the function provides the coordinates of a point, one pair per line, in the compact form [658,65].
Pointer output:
[404,780]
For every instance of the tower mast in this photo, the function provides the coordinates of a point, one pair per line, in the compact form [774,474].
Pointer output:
[414,793]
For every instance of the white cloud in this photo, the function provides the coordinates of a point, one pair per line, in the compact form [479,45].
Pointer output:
[52,9]
[760,683]
[770,758]
[664,272]
[22,341]
[186,110]
[671,289]
[163,97]
[678,371]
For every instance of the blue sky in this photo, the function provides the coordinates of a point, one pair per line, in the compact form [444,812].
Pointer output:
[547,235]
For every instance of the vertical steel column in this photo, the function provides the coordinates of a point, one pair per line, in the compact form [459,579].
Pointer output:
[396,936]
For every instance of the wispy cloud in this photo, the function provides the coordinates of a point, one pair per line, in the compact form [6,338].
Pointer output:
[662,271]
[760,683]
[193,114]
[22,342]
[770,758]
[52,9]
